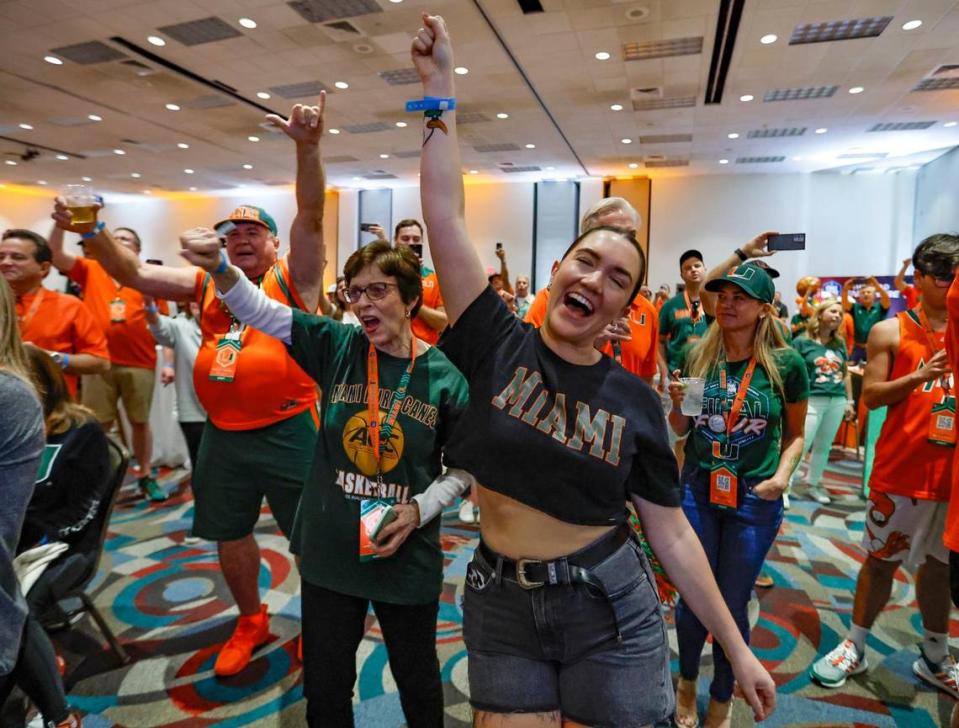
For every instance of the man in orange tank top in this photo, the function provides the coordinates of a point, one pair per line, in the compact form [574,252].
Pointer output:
[907,371]
[260,436]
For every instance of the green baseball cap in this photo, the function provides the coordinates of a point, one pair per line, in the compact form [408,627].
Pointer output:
[251,213]
[750,278]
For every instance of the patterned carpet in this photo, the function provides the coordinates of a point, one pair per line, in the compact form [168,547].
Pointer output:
[167,602]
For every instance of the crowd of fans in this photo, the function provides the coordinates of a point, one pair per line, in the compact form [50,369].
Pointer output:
[359,412]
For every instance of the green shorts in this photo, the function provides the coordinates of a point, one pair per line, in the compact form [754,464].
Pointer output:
[237,468]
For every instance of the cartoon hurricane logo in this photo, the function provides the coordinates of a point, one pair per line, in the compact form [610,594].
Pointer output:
[359,448]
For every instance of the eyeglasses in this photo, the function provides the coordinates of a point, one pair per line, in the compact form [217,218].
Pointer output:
[374,291]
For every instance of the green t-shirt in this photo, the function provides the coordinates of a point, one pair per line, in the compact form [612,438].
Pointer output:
[755,443]
[863,319]
[677,326]
[326,528]
[825,365]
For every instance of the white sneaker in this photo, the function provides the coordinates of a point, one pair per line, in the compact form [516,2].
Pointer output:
[944,676]
[844,661]
[466,512]
[819,494]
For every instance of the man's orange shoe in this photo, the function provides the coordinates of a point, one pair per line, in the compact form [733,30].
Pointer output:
[250,633]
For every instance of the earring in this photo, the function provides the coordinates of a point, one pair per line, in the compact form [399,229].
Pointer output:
[407,314]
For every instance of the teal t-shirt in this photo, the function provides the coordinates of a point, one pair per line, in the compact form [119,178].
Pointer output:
[756,440]
[825,365]
[676,324]
[326,528]
[864,319]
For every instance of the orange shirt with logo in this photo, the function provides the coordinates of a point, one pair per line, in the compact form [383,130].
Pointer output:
[268,386]
[638,355]
[434,299]
[951,534]
[130,341]
[906,462]
[57,322]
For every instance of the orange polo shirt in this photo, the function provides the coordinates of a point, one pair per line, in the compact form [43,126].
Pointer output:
[268,386]
[536,313]
[638,355]
[58,322]
[434,299]
[130,341]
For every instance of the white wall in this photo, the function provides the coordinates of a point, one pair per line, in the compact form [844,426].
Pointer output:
[937,197]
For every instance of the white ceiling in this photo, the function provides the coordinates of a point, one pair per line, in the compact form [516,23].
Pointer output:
[555,50]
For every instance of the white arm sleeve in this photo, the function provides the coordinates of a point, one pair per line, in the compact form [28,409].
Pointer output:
[254,308]
[164,331]
[441,493]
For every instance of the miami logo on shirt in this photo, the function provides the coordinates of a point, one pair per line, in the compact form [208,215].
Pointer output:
[828,368]
[753,418]
[359,447]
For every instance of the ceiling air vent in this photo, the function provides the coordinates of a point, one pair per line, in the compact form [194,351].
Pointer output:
[800,94]
[198,32]
[773,133]
[674,102]
[341,159]
[87,53]
[400,77]
[367,128]
[839,30]
[661,163]
[937,84]
[530,6]
[759,160]
[665,138]
[319,11]
[380,175]
[514,168]
[299,90]
[864,155]
[490,148]
[662,48]
[408,154]
[901,126]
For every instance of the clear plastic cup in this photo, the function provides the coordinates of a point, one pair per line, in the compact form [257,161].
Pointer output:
[693,401]
[82,203]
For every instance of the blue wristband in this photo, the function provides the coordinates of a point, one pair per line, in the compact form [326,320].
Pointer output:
[93,233]
[64,361]
[224,263]
[431,103]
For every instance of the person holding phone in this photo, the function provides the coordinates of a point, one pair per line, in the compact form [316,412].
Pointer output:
[870,307]
[389,403]
[431,318]
[740,453]
[560,605]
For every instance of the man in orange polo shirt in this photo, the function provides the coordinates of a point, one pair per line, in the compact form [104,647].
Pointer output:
[431,319]
[53,321]
[258,441]
[118,310]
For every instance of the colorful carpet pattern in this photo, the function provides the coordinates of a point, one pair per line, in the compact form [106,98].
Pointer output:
[168,604]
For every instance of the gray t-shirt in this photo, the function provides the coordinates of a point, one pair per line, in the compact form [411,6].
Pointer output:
[183,335]
[21,444]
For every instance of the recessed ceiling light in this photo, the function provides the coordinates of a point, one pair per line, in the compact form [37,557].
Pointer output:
[148,192]
[341,84]
[172,107]
[602,56]
[797,159]
[911,25]
[732,135]
[856,90]
[550,169]
[247,166]
[502,115]
[334,131]
[253,138]
[94,117]
[54,60]
[821,130]
[626,140]
[461,70]
[27,127]
[135,175]
[11,163]
[531,146]
[401,124]
[384,156]
[187,171]
[769,38]
[357,179]
[950,124]
[262,95]
[62,157]
[633,165]
[746,97]
[247,23]
[396,2]
[87,179]
[474,171]
[616,107]
[183,145]
[156,40]
[119,152]
[193,189]
[724,161]
[41,181]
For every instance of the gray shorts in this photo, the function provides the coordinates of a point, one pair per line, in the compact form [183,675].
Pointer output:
[554,648]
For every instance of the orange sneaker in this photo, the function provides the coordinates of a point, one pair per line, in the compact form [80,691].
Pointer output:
[250,633]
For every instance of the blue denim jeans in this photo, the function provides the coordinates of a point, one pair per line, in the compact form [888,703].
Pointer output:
[736,543]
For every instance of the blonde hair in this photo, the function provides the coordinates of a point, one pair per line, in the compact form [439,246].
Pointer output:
[607,204]
[704,357]
[814,323]
[12,356]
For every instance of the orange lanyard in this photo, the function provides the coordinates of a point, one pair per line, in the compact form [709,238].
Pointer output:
[34,307]
[378,439]
[931,341]
[740,394]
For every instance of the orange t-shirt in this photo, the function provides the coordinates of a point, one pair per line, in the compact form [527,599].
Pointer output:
[906,462]
[130,341]
[268,386]
[849,332]
[434,299]
[58,322]
[638,355]
[536,313]
[951,534]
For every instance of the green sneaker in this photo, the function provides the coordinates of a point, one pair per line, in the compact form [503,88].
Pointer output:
[151,489]
[844,661]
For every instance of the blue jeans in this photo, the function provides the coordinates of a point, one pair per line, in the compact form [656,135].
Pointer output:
[736,543]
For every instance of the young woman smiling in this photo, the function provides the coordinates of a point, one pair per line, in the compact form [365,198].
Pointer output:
[561,615]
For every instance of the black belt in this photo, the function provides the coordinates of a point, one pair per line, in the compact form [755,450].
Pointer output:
[573,569]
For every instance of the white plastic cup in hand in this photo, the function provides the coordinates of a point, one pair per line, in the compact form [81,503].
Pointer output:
[81,201]
[692,405]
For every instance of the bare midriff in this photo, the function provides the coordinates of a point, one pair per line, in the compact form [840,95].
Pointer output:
[519,531]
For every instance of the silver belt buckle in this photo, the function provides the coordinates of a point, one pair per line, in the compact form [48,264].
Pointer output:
[521,574]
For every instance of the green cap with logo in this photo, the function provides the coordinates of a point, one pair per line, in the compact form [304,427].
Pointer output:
[752,279]
[251,213]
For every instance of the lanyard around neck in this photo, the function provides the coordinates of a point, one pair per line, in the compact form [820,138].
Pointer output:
[34,307]
[699,308]
[379,439]
[931,341]
[740,398]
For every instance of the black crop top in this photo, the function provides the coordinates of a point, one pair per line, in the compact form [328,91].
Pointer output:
[572,441]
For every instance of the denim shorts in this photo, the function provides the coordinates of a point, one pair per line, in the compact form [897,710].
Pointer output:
[555,648]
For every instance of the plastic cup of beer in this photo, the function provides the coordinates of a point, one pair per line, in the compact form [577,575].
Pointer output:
[693,401]
[81,201]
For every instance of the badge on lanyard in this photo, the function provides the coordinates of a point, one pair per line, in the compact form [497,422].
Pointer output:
[227,354]
[118,311]
[723,478]
[723,486]
[942,423]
